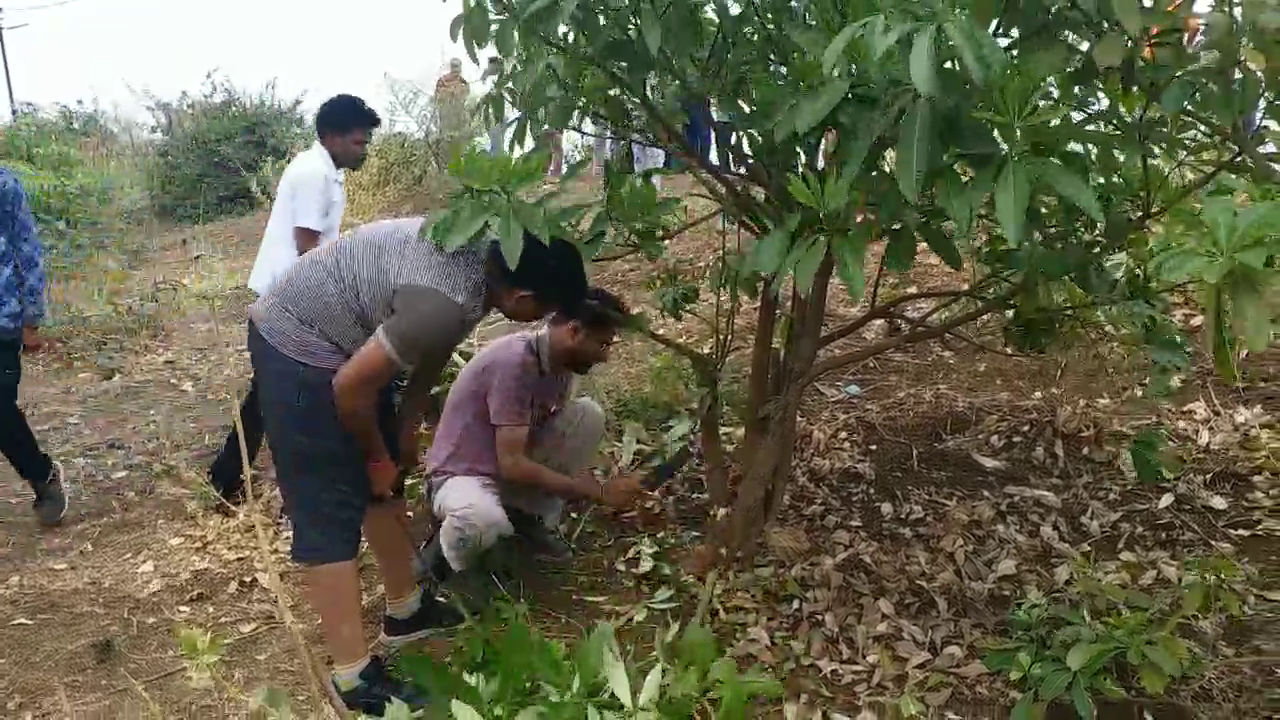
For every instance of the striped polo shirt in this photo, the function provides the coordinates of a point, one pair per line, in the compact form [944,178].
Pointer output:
[335,298]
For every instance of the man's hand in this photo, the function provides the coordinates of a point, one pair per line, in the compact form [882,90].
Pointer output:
[382,478]
[621,492]
[32,341]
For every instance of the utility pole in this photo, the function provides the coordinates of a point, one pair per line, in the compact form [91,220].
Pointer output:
[4,57]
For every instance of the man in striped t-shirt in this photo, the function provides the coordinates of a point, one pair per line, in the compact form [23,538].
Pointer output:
[326,343]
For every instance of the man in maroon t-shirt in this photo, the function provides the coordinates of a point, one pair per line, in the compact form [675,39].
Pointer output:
[512,444]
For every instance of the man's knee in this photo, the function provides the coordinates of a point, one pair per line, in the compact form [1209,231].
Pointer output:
[471,520]
[587,419]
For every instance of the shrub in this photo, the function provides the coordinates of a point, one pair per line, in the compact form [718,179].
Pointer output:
[82,174]
[215,144]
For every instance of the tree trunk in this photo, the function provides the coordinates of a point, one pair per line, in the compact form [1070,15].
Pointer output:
[713,457]
[764,487]
[759,384]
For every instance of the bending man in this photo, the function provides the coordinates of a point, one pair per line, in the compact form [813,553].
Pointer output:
[307,213]
[326,343]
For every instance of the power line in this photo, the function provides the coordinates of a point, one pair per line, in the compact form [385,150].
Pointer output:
[44,6]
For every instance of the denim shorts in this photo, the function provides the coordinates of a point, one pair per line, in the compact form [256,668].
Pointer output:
[320,467]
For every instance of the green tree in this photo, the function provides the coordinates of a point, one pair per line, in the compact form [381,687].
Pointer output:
[1039,146]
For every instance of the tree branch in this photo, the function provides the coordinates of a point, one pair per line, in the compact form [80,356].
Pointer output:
[836,362]
[882,311]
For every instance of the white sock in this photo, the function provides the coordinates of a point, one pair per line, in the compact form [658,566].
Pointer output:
[347,677]
[405,607]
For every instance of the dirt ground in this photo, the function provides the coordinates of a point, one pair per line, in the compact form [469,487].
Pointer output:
[932,486]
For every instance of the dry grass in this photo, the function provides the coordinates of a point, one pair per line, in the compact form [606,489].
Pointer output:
[909,502]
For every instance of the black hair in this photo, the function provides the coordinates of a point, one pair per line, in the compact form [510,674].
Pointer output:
[553,271]
[599,311]
[343,114]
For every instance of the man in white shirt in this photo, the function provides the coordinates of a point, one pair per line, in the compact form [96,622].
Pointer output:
[307,213]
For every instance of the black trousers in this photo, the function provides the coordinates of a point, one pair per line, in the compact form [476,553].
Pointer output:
[227,472]
[17,442]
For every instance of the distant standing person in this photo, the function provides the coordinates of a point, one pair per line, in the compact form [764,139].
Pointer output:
[452,92]
[21,312]
[307,212]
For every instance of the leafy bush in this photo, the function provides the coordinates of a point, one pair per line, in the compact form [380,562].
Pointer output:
[1100,638]
[215,145]
[506,668]
[74,187]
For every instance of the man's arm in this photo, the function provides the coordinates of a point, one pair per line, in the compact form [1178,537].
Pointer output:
[424,325]
[28,254]
[310,203]
[510,410]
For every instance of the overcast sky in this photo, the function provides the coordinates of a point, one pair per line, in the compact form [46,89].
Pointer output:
[81,49]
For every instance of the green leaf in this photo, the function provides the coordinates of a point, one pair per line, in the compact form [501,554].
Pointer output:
[697,648]
[1082,653]
[924,61]
[900,252]
[769,252]
[615,673]
[1025,709]
[835,51]
[800,191]
[913,149]
[511,237]
[1013,195]
[1175,97]
[473,219]
[958,32]
[1110,51]
[814,107]
[1147,450]
[455,27]
[807,265]
[1129,13]
[1153,679]
[943,245]
[652,686]
[1070,186]
[1081,699]
[1054,685]
[1167,662]
[850,253]
[463,711]
[650,28]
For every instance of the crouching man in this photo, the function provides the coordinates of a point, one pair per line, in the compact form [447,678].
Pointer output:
[513,444]
[326,343]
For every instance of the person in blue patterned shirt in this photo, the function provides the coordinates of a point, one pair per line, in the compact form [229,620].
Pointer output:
[21,312]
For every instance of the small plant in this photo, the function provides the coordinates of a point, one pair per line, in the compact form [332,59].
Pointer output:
[1100,638]
[201,651]
[506,668]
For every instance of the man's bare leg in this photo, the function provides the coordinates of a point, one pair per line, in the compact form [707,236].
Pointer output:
[334,593]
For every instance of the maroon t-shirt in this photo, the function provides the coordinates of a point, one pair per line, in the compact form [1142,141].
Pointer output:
[508,383]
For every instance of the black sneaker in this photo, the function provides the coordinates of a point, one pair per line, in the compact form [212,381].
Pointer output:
[51,498]
[377,689]
[430,564]
[434,616]
[546,543]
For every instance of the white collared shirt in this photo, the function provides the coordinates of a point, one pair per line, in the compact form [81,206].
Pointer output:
[311,196]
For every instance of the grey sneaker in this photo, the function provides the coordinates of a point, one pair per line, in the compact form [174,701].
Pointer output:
[51,498]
